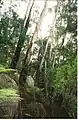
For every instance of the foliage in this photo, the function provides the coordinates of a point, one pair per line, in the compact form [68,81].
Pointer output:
[62,77]
[9,32]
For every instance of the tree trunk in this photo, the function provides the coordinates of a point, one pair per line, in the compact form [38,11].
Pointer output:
[26,65]
[20,43]
[51,36]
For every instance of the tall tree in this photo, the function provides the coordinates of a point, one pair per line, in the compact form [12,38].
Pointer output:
[23,74]
[50,36]
[21,40]
[26,60]
[26,63]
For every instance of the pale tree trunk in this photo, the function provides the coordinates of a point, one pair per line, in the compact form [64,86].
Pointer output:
[40,20]
[37,28]
[26,60]
[57,45]
[52,33]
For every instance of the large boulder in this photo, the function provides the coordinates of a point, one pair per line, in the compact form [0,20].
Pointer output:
[9,97]
[8,110]
[7,82]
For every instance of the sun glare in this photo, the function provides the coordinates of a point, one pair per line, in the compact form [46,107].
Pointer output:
[21,6]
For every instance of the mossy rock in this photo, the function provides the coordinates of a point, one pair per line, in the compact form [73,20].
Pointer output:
[9,99]
[7,82]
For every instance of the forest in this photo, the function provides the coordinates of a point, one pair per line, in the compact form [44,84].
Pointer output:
[38,59]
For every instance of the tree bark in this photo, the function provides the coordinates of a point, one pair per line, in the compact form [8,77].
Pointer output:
[20,43]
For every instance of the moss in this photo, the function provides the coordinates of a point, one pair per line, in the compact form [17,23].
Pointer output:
[4,70]
[7,95]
